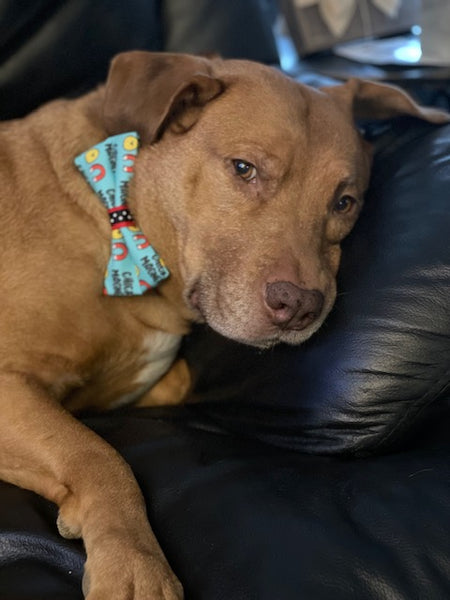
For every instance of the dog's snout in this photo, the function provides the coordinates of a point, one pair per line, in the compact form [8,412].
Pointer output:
[292,307]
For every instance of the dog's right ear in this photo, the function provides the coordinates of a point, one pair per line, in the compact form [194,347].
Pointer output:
[373,100]
[149,92]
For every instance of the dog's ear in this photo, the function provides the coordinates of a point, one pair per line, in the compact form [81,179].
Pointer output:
[370,100]
[149,92]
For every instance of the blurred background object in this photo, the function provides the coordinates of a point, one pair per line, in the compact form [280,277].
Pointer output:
[403,32]
[320,24]
[435,38]
[405,42]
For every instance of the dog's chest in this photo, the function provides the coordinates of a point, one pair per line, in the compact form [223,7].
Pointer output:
[150,361]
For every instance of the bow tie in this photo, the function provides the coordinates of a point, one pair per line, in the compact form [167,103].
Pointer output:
[134,266]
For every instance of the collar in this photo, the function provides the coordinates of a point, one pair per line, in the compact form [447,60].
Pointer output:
[134,266]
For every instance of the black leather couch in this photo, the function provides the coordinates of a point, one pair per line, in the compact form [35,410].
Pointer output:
[311,473]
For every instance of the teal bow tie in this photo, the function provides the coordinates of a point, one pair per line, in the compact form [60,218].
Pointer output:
[134,266]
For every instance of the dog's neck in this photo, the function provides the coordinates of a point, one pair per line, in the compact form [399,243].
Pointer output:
[147,203]
[83,128]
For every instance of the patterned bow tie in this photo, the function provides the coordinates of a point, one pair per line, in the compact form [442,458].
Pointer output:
[134,266]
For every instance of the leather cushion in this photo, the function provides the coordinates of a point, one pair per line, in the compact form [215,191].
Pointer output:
[231,28]
[384,352]
[239,520]
[63,48]
[51,49]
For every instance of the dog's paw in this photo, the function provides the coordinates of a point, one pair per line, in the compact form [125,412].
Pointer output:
[131,575]
[69,531]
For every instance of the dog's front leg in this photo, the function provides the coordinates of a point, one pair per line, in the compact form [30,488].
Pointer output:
[44,449]
[172,388]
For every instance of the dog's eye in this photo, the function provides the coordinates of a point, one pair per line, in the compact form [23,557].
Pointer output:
[344,205]
[244,169]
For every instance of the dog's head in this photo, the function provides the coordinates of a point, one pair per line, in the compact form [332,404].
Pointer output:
[261,177]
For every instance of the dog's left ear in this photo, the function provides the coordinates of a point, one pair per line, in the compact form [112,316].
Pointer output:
[370,100]
[149,92]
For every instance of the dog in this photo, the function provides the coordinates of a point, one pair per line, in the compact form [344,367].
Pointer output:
[243,183]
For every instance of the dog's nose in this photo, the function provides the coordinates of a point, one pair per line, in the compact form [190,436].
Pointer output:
[292,307]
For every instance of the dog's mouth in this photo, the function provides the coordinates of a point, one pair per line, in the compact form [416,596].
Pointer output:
[255,327]
[193,299]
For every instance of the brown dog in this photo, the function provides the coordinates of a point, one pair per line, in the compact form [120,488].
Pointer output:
[246,182]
